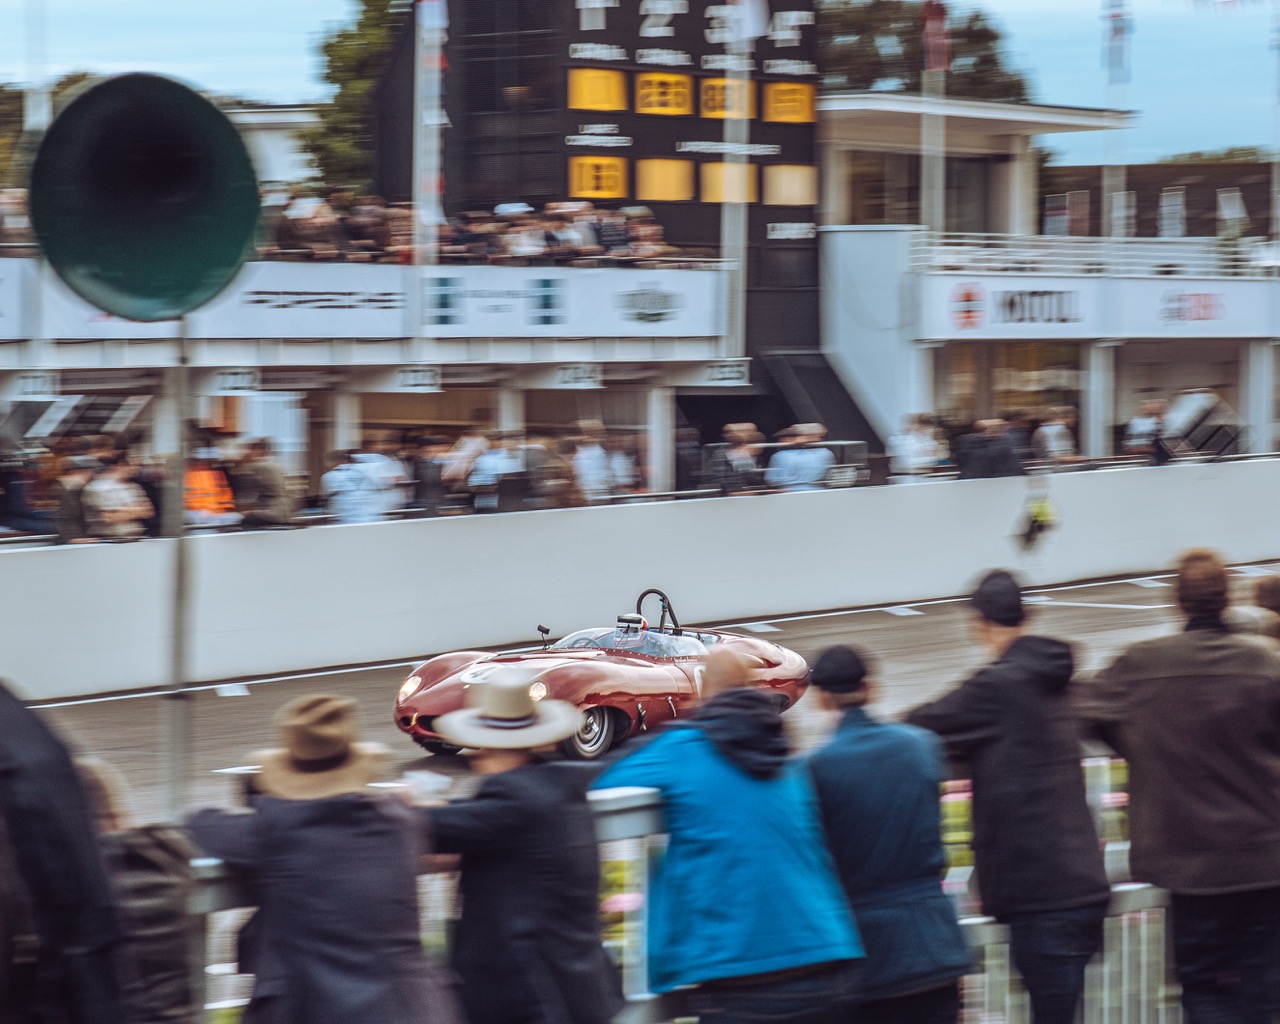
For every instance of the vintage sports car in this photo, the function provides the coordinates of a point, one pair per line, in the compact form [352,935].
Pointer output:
[626,678]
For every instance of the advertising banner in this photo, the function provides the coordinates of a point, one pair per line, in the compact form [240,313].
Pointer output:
[553,302]
[1195,308]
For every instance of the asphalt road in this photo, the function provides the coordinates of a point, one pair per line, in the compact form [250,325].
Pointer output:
[921,650]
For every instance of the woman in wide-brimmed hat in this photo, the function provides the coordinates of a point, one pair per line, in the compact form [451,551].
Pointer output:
[528,947]
[334,867]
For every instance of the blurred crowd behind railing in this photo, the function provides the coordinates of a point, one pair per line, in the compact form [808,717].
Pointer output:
[338,225]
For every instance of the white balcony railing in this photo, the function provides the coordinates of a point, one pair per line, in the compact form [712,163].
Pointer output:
[935,252]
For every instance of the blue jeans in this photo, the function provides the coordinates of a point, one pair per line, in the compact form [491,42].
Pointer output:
[825,997]
[939,1005]
[1225,949]
[1051,951]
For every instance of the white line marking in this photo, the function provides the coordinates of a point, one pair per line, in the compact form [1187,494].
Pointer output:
[903,611]
[1150,584]
[233,690]
[1254,570]
[760,627]
[1094,604]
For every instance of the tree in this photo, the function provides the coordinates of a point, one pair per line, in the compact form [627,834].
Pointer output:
[354,58]
[15,150]
[1229,155]
[868,45]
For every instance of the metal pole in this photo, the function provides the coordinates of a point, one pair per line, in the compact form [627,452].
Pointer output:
[733,203]
[1275,126]
[431,23]
[933,152]
[176,717]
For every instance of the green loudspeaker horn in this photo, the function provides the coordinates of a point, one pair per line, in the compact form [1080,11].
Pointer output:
[143,197]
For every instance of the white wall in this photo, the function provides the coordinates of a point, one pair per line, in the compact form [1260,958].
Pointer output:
[869,309]
[84,619]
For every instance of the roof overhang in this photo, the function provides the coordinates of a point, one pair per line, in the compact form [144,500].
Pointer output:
[867,118]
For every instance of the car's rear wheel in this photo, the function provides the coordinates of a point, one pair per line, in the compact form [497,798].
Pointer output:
[436,746]
[595,736]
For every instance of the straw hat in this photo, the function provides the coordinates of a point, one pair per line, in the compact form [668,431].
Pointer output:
[320,757]
[501,714]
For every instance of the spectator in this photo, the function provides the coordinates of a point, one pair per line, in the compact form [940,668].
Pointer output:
[115,508]
[429,464]
[268,499]
[1055,440]
[208,497]
[878,786]
[551,479]
[528,947]
[803,466]
[70,520]
[987,453]
[1266,593]
[462,455]
[150,872]
[591,463]
[51,867]
[501,459]
[624,475]
[1039,862]
[914,451]
[745,904]
[309,227]
[1019,434]
[733,468]
[688,459]
[350,492]
[1144,434]
[1249,620]
[334,869]
[1197,717]
[381,461]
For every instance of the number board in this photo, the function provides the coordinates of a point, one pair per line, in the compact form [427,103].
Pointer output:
[693,35]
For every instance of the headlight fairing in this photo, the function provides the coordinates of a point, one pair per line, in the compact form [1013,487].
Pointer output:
[408,688]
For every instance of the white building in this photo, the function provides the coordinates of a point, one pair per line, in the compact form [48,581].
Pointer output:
[988,316]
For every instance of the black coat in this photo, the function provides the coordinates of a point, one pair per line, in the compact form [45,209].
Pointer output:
[338,938]
[53,848]
[877,786]
[1034,841]
[985,458]
[528,949]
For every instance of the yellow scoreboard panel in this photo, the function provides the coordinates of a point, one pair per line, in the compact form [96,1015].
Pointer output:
[598,177]
[664,94]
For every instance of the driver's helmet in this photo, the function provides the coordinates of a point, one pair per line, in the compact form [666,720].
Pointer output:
[629,631]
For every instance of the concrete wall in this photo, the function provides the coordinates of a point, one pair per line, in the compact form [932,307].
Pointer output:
[83,620]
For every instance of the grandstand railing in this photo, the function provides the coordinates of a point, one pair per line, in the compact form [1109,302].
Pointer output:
[1130,981]
[969,253]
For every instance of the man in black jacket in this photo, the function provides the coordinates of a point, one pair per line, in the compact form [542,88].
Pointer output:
[53,851]
[528,947]
[1039,863]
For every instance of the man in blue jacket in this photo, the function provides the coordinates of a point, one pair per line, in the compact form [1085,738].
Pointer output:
[877,786]
[745,905]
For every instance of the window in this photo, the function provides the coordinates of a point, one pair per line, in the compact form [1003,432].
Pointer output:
[726,97]
[665,181]
[730,183]
[790,185]
[597,89]
[597,177]
[790,102]
[664,95]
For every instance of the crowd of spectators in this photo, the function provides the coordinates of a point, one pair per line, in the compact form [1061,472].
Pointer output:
[804,886]
[340,225]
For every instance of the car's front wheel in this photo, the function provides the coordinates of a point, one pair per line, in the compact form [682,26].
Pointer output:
[594,738]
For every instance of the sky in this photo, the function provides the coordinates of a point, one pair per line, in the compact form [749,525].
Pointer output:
[1201,79]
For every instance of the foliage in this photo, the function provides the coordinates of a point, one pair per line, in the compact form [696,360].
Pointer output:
[12,144]
[354,58]
[1229,155]
[878,45]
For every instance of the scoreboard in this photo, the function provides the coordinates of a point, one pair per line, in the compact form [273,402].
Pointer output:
[648,89]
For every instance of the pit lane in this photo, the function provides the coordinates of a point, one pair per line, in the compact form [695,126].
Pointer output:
[921,650]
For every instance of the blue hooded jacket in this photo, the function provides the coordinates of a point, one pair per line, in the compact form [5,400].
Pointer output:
[747,885]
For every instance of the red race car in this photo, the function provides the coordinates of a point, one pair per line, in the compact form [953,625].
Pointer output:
[626,678]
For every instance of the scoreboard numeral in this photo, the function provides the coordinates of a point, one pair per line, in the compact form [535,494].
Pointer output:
[724,19]
[591,14]
[658,14]
[784,28]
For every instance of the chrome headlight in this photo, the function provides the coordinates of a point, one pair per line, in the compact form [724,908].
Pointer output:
[408,688]
[537,689]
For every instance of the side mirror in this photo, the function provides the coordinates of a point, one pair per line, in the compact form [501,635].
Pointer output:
[546,633]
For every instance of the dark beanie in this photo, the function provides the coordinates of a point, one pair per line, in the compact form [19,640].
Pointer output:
[839,670]
[998,599]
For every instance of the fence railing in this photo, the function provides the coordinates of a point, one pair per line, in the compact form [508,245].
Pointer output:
[1130,981]
[1133,257]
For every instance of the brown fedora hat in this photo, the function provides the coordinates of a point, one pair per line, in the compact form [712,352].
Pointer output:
[320,757]
[502,714]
